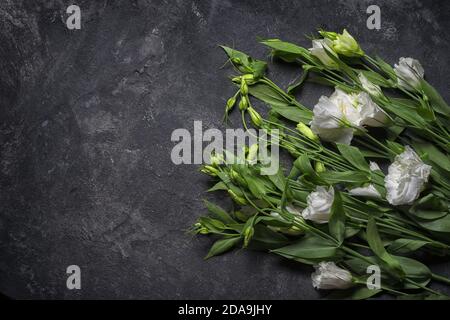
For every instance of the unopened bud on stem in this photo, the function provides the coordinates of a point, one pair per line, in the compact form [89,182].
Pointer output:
[239,200]
[307,132]
[244,88]
[243,104]
[255,116]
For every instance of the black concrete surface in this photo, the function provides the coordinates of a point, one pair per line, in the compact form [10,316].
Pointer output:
[86,118]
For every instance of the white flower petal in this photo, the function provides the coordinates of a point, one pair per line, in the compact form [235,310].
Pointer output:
[329,276]
[368,191]
[372,115]
[406,178]
[374,166]
[319,205]
[409,73]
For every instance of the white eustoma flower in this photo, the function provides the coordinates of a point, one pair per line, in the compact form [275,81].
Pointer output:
[329,276]
[329,113]
[318,50]
[334,116]
[409,72]
[370,87]
[319,205]
[406,178]
[372,115]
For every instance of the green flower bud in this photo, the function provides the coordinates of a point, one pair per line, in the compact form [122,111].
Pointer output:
[244,88]
[209,170]
[307,132]
[216,159]
[243,104]
[292,231]
[319,167]
[346,45]
[328,34]
[230,104]
[255,116]
[239,200]
[236,61]
[236,177]
[252,153]
[248,77]
[236,79]
[248,234]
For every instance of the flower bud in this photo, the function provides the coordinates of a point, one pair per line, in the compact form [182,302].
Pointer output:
[248,234]
[244,88]
[346,45]
[372,89]
[248,77]
[319,167]
[329,276]
[236,177]
[216,159]
[236,61]
[239,200]
[292,231]
[243,104]
[328,34]
[236,79]
[307,132]
[230,104]
[252,153]
[209,170]
[409,73]
[255,116]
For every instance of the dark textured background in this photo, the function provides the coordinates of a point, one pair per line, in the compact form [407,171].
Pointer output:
[86,119]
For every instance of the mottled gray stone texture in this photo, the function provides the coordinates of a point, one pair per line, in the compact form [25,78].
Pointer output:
[86,122]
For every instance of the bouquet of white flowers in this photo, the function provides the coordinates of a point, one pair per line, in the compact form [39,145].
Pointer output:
[336,209]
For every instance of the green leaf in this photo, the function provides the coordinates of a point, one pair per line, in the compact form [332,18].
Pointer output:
[386,68]
[222,246]
[434,154]
[375,78]
[218,212]
[404,246]
[438,104]
[336,223]
[429,207]
[286,50]
[278,179]
[279,103]
[247,64]
[296,84]
[333,177]
[255,186]
[409,115]
[212,225]
[304,165]
[310,247]
[218,186]
[354,156]
[413,270]
[356,293]
[269,238]
[437,225]
[375,243]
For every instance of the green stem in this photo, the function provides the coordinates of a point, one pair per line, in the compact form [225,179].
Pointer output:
[440,278]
